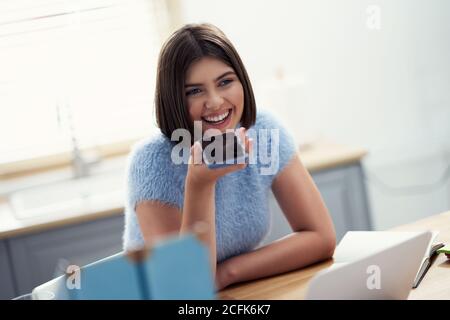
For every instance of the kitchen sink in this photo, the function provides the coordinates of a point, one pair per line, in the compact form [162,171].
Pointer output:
[71,196]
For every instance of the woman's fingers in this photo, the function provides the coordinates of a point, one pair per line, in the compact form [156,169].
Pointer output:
[249,146]
[248,142]
[241,134]
[243,138]
[196,153]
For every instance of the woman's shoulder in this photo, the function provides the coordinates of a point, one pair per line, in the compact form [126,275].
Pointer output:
[275,144]
[266,119]
[152,150]
[151,173]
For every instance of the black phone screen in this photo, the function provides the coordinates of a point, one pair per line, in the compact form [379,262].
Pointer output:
[222,148]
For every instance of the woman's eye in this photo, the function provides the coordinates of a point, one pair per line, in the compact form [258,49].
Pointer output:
[225,82]
[193,92]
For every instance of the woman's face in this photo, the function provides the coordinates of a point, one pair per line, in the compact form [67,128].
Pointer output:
[214,94]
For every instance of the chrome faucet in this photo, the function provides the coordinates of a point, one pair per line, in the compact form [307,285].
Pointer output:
[80,163]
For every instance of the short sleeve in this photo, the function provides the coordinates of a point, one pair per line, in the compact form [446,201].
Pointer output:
[152,176]
[276,145]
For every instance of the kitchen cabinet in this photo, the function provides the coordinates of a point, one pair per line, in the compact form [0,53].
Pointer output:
[344,192]
[7,289]
[36,257]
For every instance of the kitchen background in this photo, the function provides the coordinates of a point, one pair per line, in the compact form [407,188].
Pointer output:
[76,90]
[385,87]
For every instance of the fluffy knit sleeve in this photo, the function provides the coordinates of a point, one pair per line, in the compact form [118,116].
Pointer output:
[151,175]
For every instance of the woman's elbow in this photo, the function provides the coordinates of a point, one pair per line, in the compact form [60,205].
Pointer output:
[328,235]
[330,246]
[329,243]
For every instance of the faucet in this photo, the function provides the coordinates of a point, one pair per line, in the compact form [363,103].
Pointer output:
[81,164]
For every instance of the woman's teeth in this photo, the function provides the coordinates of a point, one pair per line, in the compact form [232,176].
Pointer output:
[218,118]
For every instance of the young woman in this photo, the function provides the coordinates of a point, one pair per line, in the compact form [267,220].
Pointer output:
[202,83]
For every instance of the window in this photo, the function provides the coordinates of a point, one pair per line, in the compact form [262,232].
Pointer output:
[76,72]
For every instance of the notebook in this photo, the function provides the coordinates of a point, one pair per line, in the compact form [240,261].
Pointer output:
[175,268]
[358,244]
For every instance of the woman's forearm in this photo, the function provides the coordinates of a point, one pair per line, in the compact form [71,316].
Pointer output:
[199,206]
[294,251]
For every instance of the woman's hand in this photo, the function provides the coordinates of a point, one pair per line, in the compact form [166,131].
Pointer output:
[198,171]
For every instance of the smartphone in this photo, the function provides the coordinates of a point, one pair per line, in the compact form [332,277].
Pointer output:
[223,150]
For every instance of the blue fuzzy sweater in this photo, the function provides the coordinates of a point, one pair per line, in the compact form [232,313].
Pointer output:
[241,204]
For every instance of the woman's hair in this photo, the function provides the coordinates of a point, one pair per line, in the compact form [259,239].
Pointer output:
[185,46]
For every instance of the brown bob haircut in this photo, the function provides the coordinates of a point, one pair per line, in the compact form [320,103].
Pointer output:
[185,46]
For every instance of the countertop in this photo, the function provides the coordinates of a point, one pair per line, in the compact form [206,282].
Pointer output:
[320,155]
[293,285]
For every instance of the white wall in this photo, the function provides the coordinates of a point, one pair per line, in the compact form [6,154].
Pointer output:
[387,90]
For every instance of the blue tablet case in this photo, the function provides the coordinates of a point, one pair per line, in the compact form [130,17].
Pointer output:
[176,268]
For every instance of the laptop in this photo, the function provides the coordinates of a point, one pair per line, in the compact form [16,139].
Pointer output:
[381,269]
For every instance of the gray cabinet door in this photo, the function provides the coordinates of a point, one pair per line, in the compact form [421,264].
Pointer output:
[344,193]
[7,290]
[35,257]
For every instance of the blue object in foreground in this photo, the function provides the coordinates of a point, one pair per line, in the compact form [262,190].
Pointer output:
[180,269]
[175,268]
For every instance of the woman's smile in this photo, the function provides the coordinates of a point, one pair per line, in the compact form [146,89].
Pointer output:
[218,120]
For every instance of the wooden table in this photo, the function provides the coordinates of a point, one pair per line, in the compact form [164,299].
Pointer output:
[293,285]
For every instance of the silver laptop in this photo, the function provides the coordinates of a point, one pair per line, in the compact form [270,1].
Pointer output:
[385,274]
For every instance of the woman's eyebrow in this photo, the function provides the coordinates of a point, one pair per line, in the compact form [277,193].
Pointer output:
[217,79]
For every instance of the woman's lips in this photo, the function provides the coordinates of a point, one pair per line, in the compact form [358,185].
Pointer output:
[217,117]
[221,124]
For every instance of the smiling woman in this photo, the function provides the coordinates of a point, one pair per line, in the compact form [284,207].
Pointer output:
[202,81]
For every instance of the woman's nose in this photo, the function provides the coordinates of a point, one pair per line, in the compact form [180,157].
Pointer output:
[214,101]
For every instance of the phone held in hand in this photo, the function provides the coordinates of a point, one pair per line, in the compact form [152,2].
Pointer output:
[223,150]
